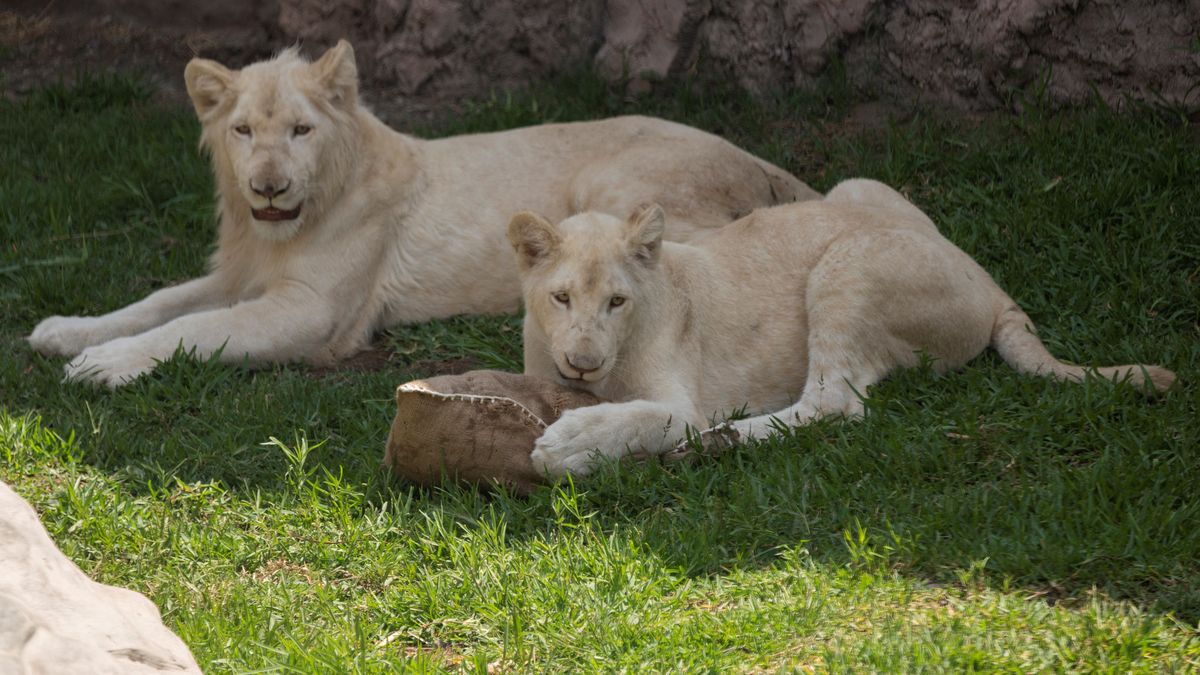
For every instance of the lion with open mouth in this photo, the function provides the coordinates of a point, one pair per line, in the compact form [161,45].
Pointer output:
[333,226]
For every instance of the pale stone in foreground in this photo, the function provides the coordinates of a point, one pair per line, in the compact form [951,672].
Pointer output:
[54,619]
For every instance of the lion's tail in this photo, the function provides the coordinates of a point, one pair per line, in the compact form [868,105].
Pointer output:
[1014,338]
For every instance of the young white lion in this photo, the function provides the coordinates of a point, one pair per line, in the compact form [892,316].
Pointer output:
[815,301]
[332,225]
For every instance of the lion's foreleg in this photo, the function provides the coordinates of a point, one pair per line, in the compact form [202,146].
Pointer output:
[290,322]
[581,437]
[70,335]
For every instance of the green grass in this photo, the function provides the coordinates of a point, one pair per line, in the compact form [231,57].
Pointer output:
[973,521]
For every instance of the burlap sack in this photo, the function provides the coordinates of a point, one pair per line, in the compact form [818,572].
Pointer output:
[477,427]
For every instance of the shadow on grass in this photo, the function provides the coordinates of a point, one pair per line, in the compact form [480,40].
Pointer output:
[1020,482]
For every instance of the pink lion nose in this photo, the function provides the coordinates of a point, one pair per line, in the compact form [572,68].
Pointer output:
[269,189]
[584,364]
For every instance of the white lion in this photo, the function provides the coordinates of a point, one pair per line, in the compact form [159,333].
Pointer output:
[332,225]
[814,301]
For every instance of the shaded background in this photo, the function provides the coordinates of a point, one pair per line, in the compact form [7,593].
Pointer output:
[428,54]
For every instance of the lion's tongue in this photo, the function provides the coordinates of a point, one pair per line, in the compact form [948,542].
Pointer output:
[272,213]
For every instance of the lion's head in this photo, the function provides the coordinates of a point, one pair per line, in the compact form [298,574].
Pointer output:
[587,283]
[281,133]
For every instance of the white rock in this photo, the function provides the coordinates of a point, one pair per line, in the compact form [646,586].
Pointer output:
[54,619]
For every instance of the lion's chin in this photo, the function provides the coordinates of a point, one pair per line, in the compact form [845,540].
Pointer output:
[273,214]
[276,230]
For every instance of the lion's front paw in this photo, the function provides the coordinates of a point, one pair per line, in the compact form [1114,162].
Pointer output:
[576,443]
[112,364]
[64,335]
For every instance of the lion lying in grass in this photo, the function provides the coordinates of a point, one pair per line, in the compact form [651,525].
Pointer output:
[332,225]
[819,300]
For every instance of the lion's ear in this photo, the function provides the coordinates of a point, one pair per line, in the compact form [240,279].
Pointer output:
[208,83]
[646,227]
[533,237]
[337,72]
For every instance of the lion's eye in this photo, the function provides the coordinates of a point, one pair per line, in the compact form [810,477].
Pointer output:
[242,129]
[562,298]
[616,301]
[301,129]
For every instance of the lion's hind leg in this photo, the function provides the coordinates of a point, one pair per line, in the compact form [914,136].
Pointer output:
[867,192]
[837,382]
[847,347]
[861,307]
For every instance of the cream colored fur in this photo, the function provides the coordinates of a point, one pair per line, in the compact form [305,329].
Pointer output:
[792,312]
[332,225]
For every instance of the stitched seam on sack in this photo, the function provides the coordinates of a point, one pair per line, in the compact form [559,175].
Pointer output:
[472,398]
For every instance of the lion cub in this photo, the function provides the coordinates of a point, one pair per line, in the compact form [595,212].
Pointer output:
[816,300]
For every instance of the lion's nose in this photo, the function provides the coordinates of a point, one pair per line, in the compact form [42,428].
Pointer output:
[584,364]
[269,188]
